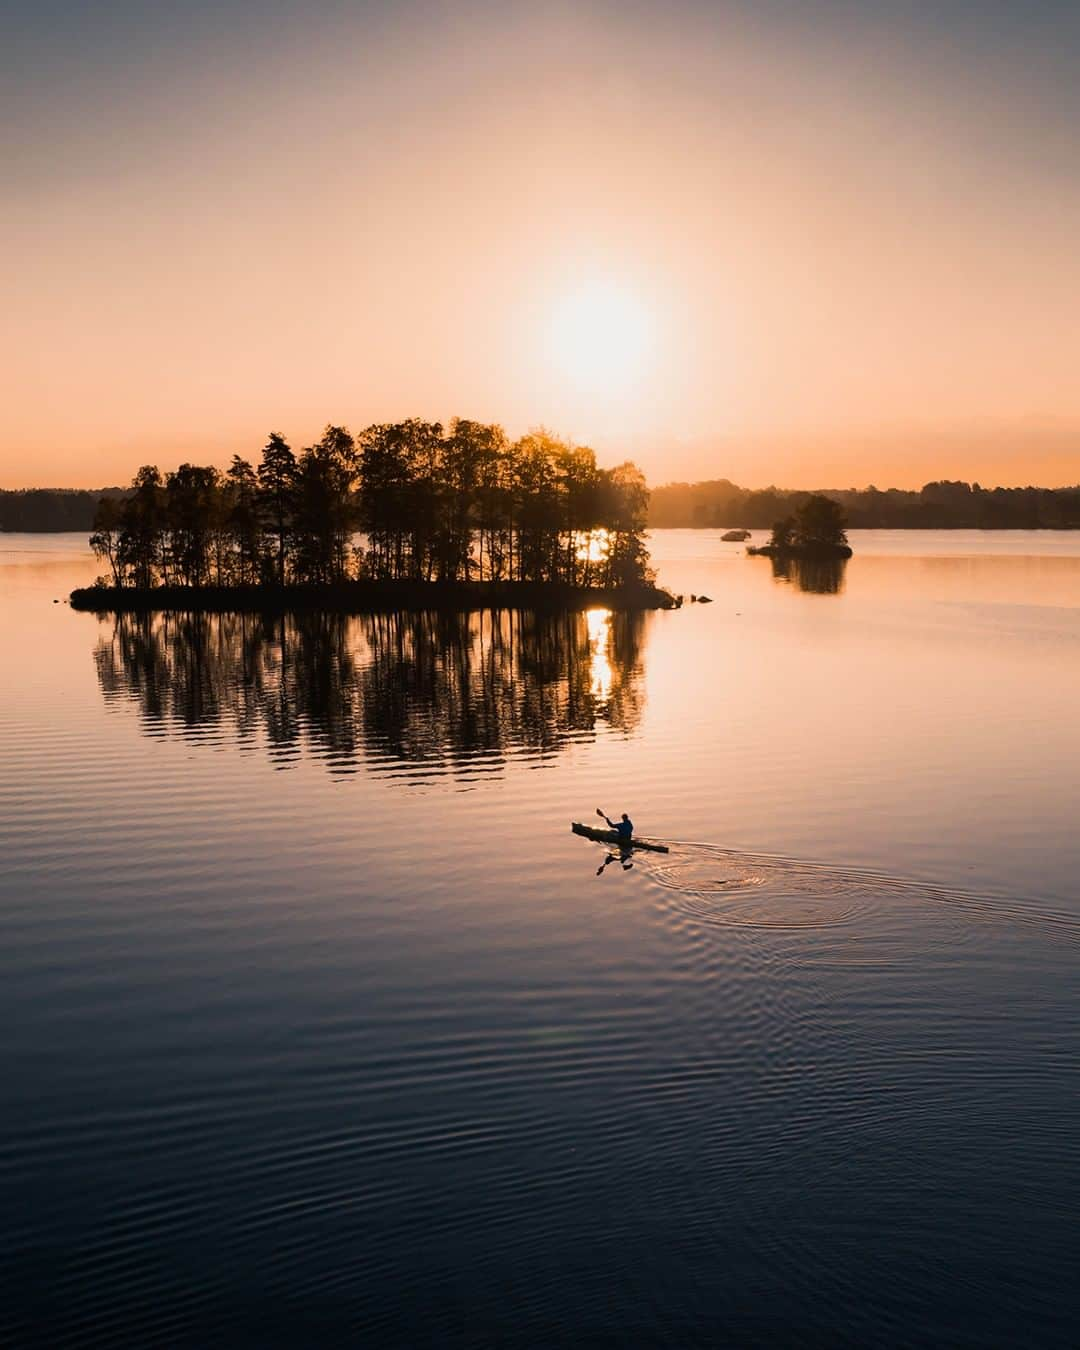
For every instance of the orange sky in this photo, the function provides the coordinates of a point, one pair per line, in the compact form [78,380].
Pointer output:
[847,250]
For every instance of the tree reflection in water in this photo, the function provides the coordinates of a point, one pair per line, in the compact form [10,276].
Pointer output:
[386,690]
[816,576]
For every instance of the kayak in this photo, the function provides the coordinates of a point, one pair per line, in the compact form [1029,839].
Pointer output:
[611,837]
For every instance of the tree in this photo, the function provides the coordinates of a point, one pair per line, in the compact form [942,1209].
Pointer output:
[242,491]
[580,485]
[819,523]
[105,540]
[277,498]
[492,502]
[398,465]
[782,533]
[191,518]
[625,506]
[384,476]
[141,543]
[469,455]
[324,511]
[536,505]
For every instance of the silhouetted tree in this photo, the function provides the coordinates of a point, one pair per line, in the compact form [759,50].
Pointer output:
[537,510]
[191,517]
[490,505]
[398,497]
[143,555]
[580,485]
[277,499]
[819,523]
[242,488]
[783,533]
[625,513]
[105,540]
[469,455]
[324,514]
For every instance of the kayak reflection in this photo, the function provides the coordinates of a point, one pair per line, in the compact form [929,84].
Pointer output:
[624,856]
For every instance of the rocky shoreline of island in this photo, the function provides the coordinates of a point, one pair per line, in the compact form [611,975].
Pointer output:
[813,552]
[359,597]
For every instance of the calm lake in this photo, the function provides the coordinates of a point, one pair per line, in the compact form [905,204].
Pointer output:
[321,1028]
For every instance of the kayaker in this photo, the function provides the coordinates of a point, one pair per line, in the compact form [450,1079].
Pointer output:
[624,828]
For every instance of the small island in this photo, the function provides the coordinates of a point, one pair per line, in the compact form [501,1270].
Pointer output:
[815,533]
[406,515]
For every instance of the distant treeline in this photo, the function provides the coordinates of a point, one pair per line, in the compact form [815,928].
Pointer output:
[39,510]
[408,501]
[718,502]
[941,505]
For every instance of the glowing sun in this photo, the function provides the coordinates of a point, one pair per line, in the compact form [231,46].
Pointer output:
[600,336]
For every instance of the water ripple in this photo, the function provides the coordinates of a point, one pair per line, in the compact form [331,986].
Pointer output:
[728,887]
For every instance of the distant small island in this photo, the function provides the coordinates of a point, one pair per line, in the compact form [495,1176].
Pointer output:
[405,515]
[815,533]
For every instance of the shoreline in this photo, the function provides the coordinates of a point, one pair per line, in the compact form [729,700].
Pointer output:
[360,597]
[802,553]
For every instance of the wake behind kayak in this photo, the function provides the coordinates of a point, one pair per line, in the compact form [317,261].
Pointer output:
[612,837]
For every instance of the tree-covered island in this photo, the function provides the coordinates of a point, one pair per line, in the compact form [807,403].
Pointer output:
[404,515]
[816,533]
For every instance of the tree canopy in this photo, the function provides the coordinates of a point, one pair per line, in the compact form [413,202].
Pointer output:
[816,527]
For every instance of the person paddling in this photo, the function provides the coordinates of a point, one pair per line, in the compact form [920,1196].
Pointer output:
[624,828]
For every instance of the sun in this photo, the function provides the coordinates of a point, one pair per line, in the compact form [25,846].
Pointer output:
[601,336]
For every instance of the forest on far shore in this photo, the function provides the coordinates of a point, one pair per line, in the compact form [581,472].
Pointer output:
[717,503]
[941,505]
[51,510]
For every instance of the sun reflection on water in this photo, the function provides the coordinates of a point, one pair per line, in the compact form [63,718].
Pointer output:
[600,673]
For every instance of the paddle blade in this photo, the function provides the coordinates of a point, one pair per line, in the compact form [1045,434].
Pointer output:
[600,814]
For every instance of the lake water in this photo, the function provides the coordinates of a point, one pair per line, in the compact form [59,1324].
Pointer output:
[321,1028]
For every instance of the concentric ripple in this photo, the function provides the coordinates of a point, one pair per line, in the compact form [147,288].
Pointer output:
[727,887]
[723,886]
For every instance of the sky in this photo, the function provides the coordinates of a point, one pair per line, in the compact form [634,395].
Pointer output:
[804,242]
